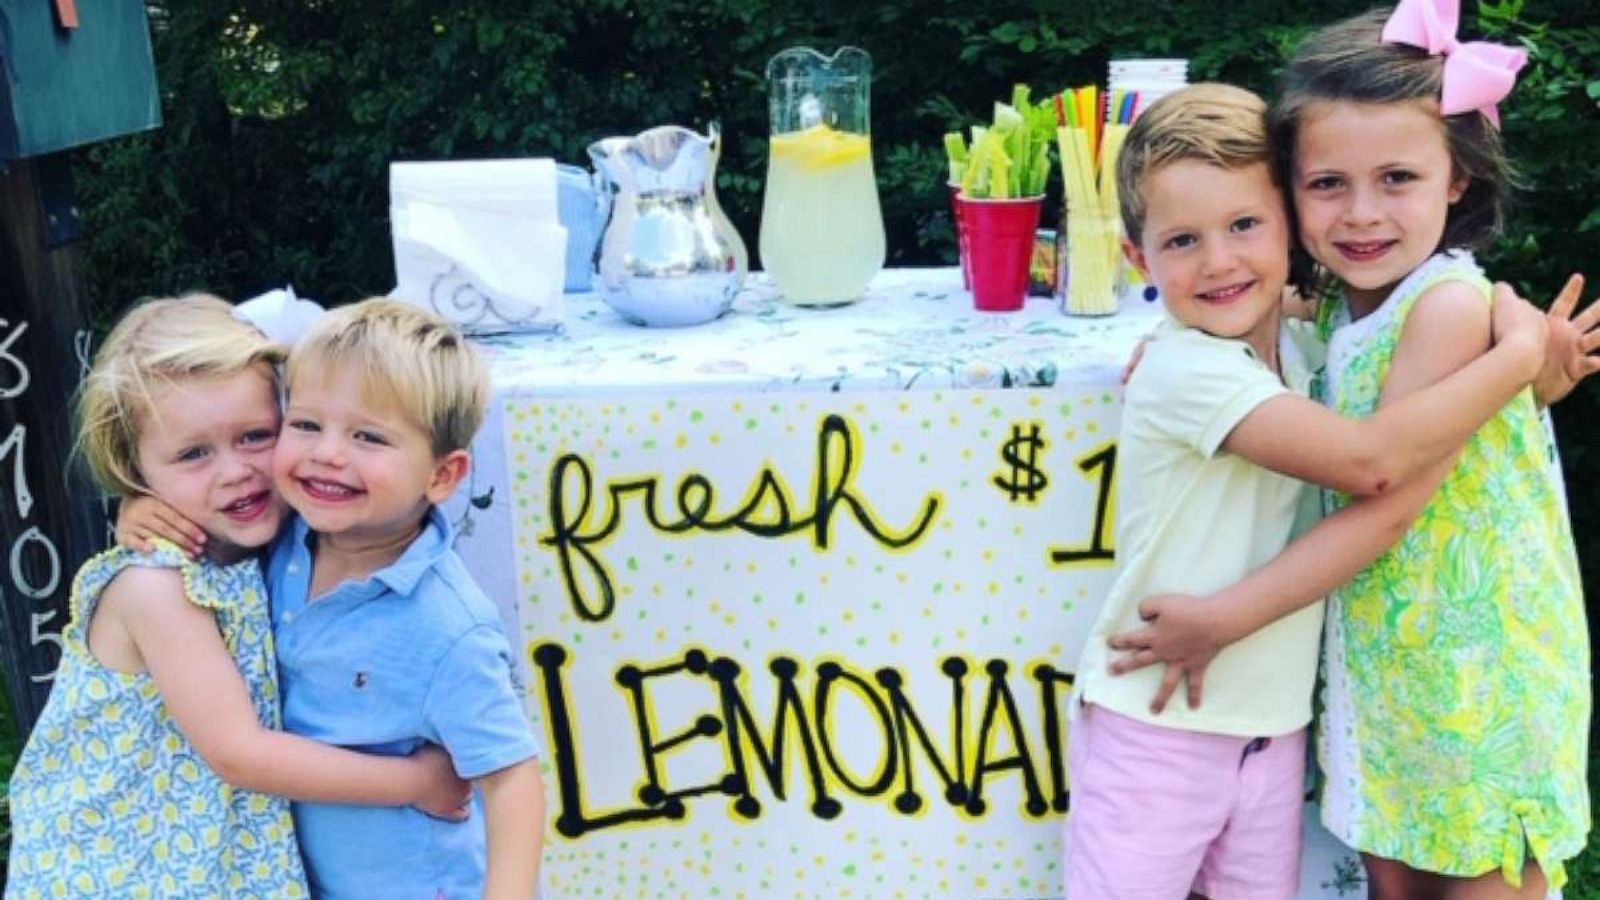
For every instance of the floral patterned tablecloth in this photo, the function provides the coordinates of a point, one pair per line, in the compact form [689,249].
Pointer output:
[915,329]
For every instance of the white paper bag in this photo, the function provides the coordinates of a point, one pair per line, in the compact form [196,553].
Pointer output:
[479,242]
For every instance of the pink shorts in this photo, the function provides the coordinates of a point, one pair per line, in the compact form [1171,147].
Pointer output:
[1157,812]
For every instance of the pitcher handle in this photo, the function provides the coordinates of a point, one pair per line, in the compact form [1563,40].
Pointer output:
[714,135]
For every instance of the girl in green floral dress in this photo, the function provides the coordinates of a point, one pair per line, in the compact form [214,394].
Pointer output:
[1457,693]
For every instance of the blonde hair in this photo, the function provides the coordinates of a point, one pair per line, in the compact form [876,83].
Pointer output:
[405,356]
[156,343]
[1213,123]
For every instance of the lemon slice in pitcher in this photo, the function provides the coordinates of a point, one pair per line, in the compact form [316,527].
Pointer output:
[822,147]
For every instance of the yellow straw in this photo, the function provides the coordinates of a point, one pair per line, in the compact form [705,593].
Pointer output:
[1086,104]
[1076,172]
[1110,148]
[1085,159]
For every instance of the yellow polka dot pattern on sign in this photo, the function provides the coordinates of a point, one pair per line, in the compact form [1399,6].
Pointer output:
[869,579]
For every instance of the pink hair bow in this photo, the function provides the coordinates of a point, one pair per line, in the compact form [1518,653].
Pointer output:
[1477,74]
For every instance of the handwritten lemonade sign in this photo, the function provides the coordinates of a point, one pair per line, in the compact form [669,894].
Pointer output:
[809,644]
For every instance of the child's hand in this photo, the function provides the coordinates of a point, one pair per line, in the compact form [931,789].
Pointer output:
[1572,349]
[141,518]
[444,795]
[1181,634]
[1516,319]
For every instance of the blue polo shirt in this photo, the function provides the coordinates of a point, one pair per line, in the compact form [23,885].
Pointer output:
[413,653]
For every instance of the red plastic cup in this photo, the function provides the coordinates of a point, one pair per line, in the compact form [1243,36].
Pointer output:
[1000,243]
[961,234]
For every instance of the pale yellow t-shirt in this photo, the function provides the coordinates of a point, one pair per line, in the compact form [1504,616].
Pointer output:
[1193,519]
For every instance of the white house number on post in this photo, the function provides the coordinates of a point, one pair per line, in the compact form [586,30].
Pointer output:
[16,447]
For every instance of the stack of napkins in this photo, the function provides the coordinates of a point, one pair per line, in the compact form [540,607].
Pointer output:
[479,242]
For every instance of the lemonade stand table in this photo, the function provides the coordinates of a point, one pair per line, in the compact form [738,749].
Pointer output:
[798,594]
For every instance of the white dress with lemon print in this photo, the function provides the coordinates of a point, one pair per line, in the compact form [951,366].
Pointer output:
[109,799]
[1456,703]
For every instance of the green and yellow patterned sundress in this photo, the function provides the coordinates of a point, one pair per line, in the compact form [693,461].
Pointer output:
[110,800]
[1456,702]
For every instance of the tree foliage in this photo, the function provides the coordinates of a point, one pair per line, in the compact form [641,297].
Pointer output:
[283,115]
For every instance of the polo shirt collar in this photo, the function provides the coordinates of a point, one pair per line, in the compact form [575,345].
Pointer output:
[402,575]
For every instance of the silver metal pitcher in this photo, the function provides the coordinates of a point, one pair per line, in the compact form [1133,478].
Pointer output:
[668,256]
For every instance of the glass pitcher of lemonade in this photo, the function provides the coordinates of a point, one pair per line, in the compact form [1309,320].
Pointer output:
[821,229]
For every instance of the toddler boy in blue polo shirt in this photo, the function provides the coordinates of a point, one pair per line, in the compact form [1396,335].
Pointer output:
[384,641]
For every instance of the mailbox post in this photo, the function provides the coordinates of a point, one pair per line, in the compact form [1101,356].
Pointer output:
[72,72]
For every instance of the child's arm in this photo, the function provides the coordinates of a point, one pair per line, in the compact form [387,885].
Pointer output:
[1445,331]
[1573,350]
[1187,632]
[513,808]
[1299,437]
[142,518]
[475,708]
[178,643]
